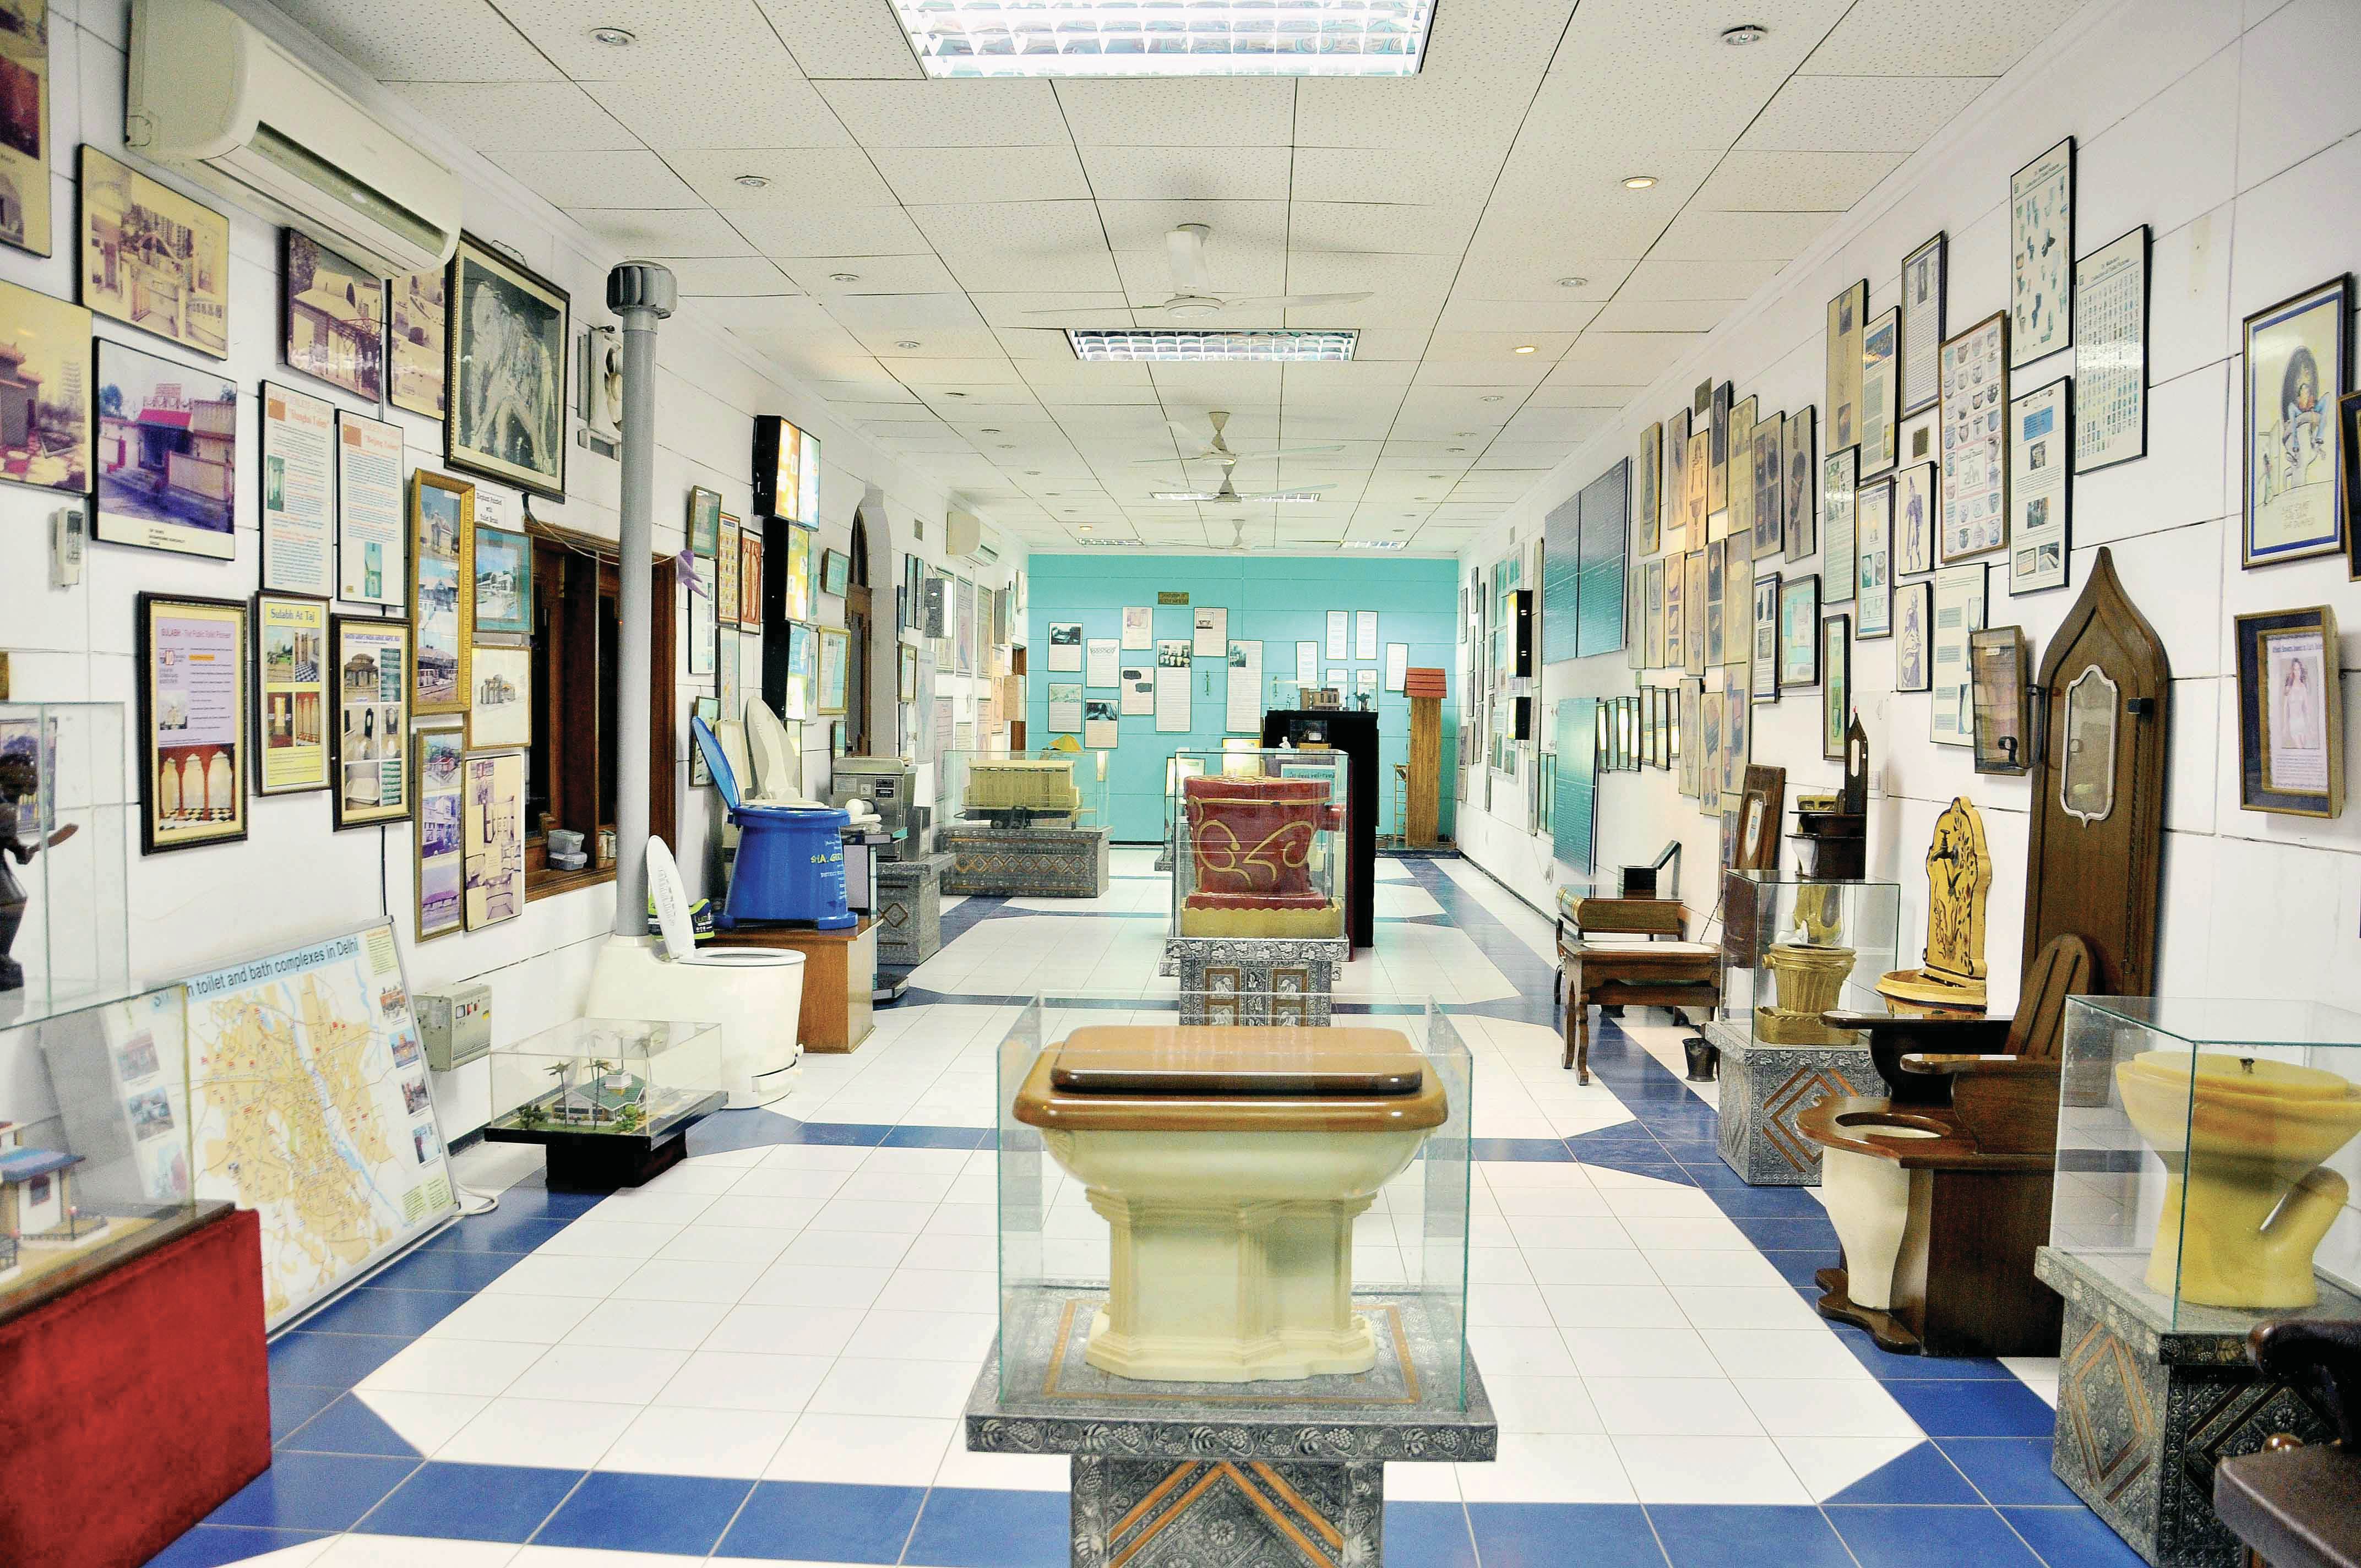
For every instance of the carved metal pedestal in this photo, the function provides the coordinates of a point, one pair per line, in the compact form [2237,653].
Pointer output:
[1762,1088]
[1254,980]
[1026,863]
[2147,1406]
[910,910]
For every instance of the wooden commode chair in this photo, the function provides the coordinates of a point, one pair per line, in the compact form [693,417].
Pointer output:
[1634,968]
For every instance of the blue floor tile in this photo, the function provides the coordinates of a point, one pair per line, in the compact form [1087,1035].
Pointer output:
[368,1311]
[619,1512]
[211,1546]
[1428,1535]
[1920,1477]
[1712,1536]
[1971,1408]
[312,1491]
[810,1521]
[2072,1538]
[859,1134]
[1931,1538]
[292,1404]
[961,1528]
[348,1426]
[1791,1235]
[501,1232]
[1766,1202]
[937,1137]
[1553,1535]
[2011,1471]
[1660,1169]
[1887,1366]
[726,1129]
[431,1269]
[1798,1266]
[329,1361]
[472,1502]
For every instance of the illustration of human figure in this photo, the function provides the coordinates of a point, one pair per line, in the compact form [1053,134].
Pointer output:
[2303,418]
[2300,706]
[510,386]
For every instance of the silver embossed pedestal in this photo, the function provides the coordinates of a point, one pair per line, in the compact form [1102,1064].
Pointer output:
[1762,1088]
[1282,1474]
[1026,863]
[2147,1404]
[1254,980]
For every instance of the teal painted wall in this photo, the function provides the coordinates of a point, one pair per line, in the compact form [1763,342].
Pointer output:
[1279,600]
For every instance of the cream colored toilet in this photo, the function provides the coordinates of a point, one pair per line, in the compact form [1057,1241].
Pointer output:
[1868,1198]
[1230,1163]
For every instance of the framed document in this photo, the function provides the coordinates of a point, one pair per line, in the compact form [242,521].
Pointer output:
[292,694]
[1881,367]
[299,492]
[1872,575]
[1848,317]
[2291,718]
[1838,483]
[1958,614]
[1914,614]
[1974,441]
[1799,632]
[2041,256]
[1922,325]
[2111,363]
[2039,489]
[372,659]
[442,597]
[2297,371]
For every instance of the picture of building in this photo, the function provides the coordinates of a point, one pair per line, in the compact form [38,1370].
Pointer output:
[166,451]
[335,313]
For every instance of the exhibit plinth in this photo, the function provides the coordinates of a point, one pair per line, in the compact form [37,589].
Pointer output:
[1254,980]
[1764,1086]
[1025,862]
[2150,1401]
[1276,1473]
[910,910]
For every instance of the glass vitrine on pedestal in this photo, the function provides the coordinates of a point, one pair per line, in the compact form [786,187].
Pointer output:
[67,814]
[610,1099]
[1026,826]
[1259,844]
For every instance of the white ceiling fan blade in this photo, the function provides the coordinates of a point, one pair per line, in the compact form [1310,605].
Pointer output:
[1188,432]
[1295,301]
[1293,451]
[1185,249]
[1294,494]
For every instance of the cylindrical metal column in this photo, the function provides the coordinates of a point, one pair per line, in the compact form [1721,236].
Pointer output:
[642,293]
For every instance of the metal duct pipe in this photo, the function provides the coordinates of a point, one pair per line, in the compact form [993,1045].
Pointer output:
[642,293]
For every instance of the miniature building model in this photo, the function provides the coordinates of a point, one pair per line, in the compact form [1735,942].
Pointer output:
[1011,792]
[37,1197]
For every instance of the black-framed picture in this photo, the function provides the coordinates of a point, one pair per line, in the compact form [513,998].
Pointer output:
[299,491]
[437,855]
[2041,256]
[2290,713]
[1923,301]
[1913,615]
[2348,426]
[503,585]
[1874,560]
[1764,672]
[291,695]
[1799,506]
[167,455]
[2002,705]
[1835,685]
[193,711]
[2297,364]
[1799,631]
[1913,520]
[2110,366]
[370,727]
[1847,319]
[510,331]
[331,316]
[835,572]
[2040,487]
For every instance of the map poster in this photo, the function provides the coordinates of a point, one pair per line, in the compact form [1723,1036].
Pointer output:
[310,1101]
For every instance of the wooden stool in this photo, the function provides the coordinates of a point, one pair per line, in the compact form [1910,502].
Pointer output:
[1649,974]
[839,980]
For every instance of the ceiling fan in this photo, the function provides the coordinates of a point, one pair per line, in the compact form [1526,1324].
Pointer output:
[1192,285]
[1219,451]
[1228,495]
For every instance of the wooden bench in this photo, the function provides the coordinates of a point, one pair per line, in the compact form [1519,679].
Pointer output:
[1648,972]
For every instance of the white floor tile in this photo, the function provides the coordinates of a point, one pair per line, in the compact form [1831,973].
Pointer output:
[1851,1407]
[566,1434]
[845,1249]
[944,1290]
[590,1557]
[863,1450]
[1408,1483]
[433,1366]
[1503,1353]
[1728,1470]
[740,1380]
[790,1284]
[678,1441]
[1554,1467]
[1569,1230]
[1640,1353]
[1588,1265]
[1700,1235]
[860,1386]
[1006,1472]
[410,1551]
[962,1337]
[755,1212]
[650,1205]
[558,1274]
[1827,1466]
[664,1279]
[655,1325]
[841,1213]
[587,1237]
[597,1373]
[785,1330]
[1670,1407]
[1519,1305]
[1746,1306]
[425,1421]
[1721,1268]
[1543,1404]
[790,1182]
[532,1320]
[1762,1354]
[1610,1306]
[705,1243]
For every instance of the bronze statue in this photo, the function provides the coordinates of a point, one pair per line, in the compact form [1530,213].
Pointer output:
[19,786]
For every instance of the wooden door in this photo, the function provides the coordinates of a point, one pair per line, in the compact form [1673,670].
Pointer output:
[856,675]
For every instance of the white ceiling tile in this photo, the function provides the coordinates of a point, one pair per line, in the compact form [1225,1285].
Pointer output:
[936,174]
[1569,313]
[662,232]
[1794,181]
[729,275]
[1394,174]
[1893,37]
[1512,377]
[1240,268]
[1418,113]
[674,39]
[1667,280]
[802,179]
[593,179]
[1556,395]
[1116,376]
[519,117]
[1564,426]
[1074,308]
[964,114]
[889,276]
[844,237]
[1378,344]
[1665,315]
[1204,112]
[1143,224]
[1861,114]
[1658,65]
[1620,358]
[1500,347]
[428,40]
[1401,229]
[948,346]
[1187,173]
[1528,277]
[692,110]
[1036,344]
[833,38]
[1020,244]
[1701,236]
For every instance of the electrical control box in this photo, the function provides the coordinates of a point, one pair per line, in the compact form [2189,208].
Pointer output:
[456,1024]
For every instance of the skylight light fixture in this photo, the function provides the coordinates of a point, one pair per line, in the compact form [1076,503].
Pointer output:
[1212,344]
[1168,38]
[1374,544]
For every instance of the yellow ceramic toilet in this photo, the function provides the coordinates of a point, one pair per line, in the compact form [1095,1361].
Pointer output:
[2247,1148]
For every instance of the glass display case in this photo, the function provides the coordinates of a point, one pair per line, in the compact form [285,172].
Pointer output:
[66,818]
[1049,789]
[1793,949]
[1258,843]
[605,1077]
[1139,1163]
[96,1147]
[2205,1155]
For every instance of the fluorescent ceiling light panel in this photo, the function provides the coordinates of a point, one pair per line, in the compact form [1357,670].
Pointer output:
[1168,38]
[1234,499]
[1374,544]
[1099,541]
[1145,342]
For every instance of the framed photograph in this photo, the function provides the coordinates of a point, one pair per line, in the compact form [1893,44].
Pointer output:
[1840,477]
[1798,510]
[1799,631]
[441,596]
[1763,675]
[152,258]
[2040,423]
[1765,797]
[803,672]
[801,576]
[1677,632]
[1835,685]
[835,663]
[438,867]
[835,572]
[1688,740]
[372,659]
[1657,647]
[510,332]
[1635,617]
[1648,490]
[907,682]
[290,693]
[749,579]
[2004,711]
[331,316]
[299,492]
[1736,724]
[49,342]
[1700,483]
[1711,707]
[1693,605]
[2041,256]
[727,551]
[1848,320]
[1716,577]
[492,829]
[1914,616]
[1922,307]
[167,455]
[2297,368]
[1770,438]
[2290,713]
[26,148]
[2111,363]
[1913,521]
[192,721]
[503,605]
[1975,442]
[1873,578]
[1717,495]
[1740,521]
[500,707]
[1676,502]
[418,343]
[704,520]
[1881,375]
[1958,613]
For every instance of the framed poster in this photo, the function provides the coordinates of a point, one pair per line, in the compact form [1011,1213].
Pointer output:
[1676,633]
[152,258]
[1699,487]
[1712,708]
[801,599]
[1769,486]
[1210,633]
[192,721]
[835,667]
[1693,611]
[1674,505]
[725,671]
[749,578]
[167,455]
[803,671]
[372,535]
[1914,617]
[492,831]
[500,711]
[1975,442]
[49,341]
[2111,362]
[420,333]
[372,658]
[1339,633]
[26,148]
[1873,578]
[510,332]
[1635,617]
[1687,741]
[1922,334]
[1740,523]
[835,572]
[2290,713]
[1648,489]
[1655,613]
[331,316]
[1065,646]
[2040,425]
[701,622]
[442,543]
[1716,482]
[1764,673]
[2298,366]
[1138,627]
[727,557]
[299,491]
[704,520]
[1881,375]
[1847,319]
[907,677]
[963,660]
[2041,256]
[291,684]
[1958,614]
[1716,579]
[1798,510]
[1835,685]
[1365,629]
[1913,521]
[503,605]
[438,865]
[1737,728]
[1799,631]
[1838,480]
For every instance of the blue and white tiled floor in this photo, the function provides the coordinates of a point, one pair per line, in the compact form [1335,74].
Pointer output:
[760,1356]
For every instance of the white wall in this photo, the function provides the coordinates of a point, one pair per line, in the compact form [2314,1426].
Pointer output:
[294,879]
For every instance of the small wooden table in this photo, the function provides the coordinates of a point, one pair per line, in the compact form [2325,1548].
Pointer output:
[839,980]
[1648,973]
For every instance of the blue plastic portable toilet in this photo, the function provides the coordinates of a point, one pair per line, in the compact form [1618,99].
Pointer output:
[790,858]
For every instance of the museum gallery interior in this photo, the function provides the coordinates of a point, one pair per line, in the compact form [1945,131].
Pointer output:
[1179,783]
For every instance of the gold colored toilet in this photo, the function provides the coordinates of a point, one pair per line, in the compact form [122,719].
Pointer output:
[1230,1162]
[2247,1201]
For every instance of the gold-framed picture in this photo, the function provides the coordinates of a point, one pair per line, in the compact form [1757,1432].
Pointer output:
[25,145]
[437,861]
[291,693]
[2290,713]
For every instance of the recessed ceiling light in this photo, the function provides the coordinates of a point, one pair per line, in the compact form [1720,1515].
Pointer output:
[1119,38]
[1455,449]
[1523,348]
[1293,347]
[1743,34]
[1572,282]
[912,342]
[989,431]
[1489,397]
[1008,447]
[844,277]
[753,181]
[1085,527]
[948,394]
[1638,181]
[613,37]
